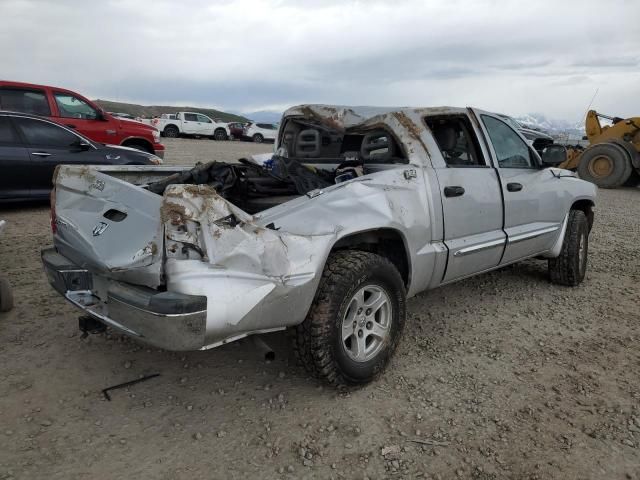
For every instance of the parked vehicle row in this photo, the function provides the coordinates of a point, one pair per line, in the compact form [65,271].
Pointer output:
[32,146]
[78,113]
[193,124]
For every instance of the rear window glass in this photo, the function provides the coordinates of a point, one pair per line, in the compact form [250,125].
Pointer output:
[24,100]
[268,126]
[7,133]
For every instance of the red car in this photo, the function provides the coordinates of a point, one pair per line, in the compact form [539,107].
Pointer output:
[75,111]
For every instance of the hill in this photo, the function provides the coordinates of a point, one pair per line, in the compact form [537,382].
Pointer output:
[152,110]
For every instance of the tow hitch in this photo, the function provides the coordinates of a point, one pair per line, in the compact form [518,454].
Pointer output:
[89,325]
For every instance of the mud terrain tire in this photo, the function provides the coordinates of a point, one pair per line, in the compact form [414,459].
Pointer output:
[570,267]
[352,278]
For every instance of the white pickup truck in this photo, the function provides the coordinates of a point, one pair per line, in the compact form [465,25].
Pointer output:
[190,123]
[359,209]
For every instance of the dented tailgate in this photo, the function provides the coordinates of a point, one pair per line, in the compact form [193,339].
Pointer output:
[108,225]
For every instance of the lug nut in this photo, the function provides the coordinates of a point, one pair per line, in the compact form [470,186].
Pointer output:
[368,312]
[359,310]
[369,325]
[360,333]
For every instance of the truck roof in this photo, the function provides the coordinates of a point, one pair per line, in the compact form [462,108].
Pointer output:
[344,116]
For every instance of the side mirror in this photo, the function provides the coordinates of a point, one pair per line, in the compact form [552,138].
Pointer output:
[81,146]
[100,115]
[554,155]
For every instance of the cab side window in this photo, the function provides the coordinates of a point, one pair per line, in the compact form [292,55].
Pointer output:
[203,119]
[511,150]
[71,106]
[25,101]
[456,140]
[191,117]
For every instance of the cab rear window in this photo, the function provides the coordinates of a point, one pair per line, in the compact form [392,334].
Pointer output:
[24,100]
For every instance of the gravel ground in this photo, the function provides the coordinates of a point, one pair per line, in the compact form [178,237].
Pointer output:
[500,376]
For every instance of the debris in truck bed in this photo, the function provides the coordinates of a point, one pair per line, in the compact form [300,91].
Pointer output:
[285,176]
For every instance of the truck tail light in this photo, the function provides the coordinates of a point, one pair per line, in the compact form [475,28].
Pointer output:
[54,219]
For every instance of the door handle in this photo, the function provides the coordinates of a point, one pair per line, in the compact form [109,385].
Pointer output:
[41,154]
[454,191]
[514,187]
[70,125]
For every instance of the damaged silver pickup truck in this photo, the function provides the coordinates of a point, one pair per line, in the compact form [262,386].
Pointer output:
[358,209]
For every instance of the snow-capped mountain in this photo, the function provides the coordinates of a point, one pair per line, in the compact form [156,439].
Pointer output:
[538,121]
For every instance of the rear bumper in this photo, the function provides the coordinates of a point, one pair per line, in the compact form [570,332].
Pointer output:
[168,320]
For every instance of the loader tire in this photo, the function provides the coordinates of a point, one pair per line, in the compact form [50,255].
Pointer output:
[356,319]
[605,164]
[6,296]
[570,266]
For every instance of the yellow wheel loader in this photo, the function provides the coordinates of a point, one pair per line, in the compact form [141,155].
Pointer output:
[613,153]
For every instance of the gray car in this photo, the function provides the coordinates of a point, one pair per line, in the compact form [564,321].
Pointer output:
[359,209]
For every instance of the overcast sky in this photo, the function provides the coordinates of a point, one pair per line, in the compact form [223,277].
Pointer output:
[515,57]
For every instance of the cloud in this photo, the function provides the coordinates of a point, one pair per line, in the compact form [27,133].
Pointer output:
[501,55]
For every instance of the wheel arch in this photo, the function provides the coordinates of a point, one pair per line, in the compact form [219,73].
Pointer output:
[386,242]
[131,141]
[586,206]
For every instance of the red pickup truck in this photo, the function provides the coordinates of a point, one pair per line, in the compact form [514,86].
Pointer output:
[77,112]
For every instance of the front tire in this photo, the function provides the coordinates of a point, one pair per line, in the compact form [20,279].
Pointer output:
[570,266]
[220,134]
[141,147]
[355,321]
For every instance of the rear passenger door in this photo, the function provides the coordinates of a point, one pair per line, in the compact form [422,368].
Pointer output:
[15,166]
[471,198]
[534,206]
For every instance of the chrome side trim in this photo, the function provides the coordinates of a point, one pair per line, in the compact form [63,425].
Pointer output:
[479,247]
[536,233]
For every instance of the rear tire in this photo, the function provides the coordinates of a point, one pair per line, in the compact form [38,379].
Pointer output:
[171,131]
[355,321]
[257,138]
[6,296]
[605,164]
[570,267]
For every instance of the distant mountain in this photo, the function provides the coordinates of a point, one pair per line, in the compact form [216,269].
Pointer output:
[538,121]
[264,116]
[152,110]
[562,130]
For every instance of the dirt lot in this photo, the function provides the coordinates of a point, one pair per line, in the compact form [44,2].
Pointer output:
[500,376]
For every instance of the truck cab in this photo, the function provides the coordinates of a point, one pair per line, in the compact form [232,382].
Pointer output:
[79,113]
